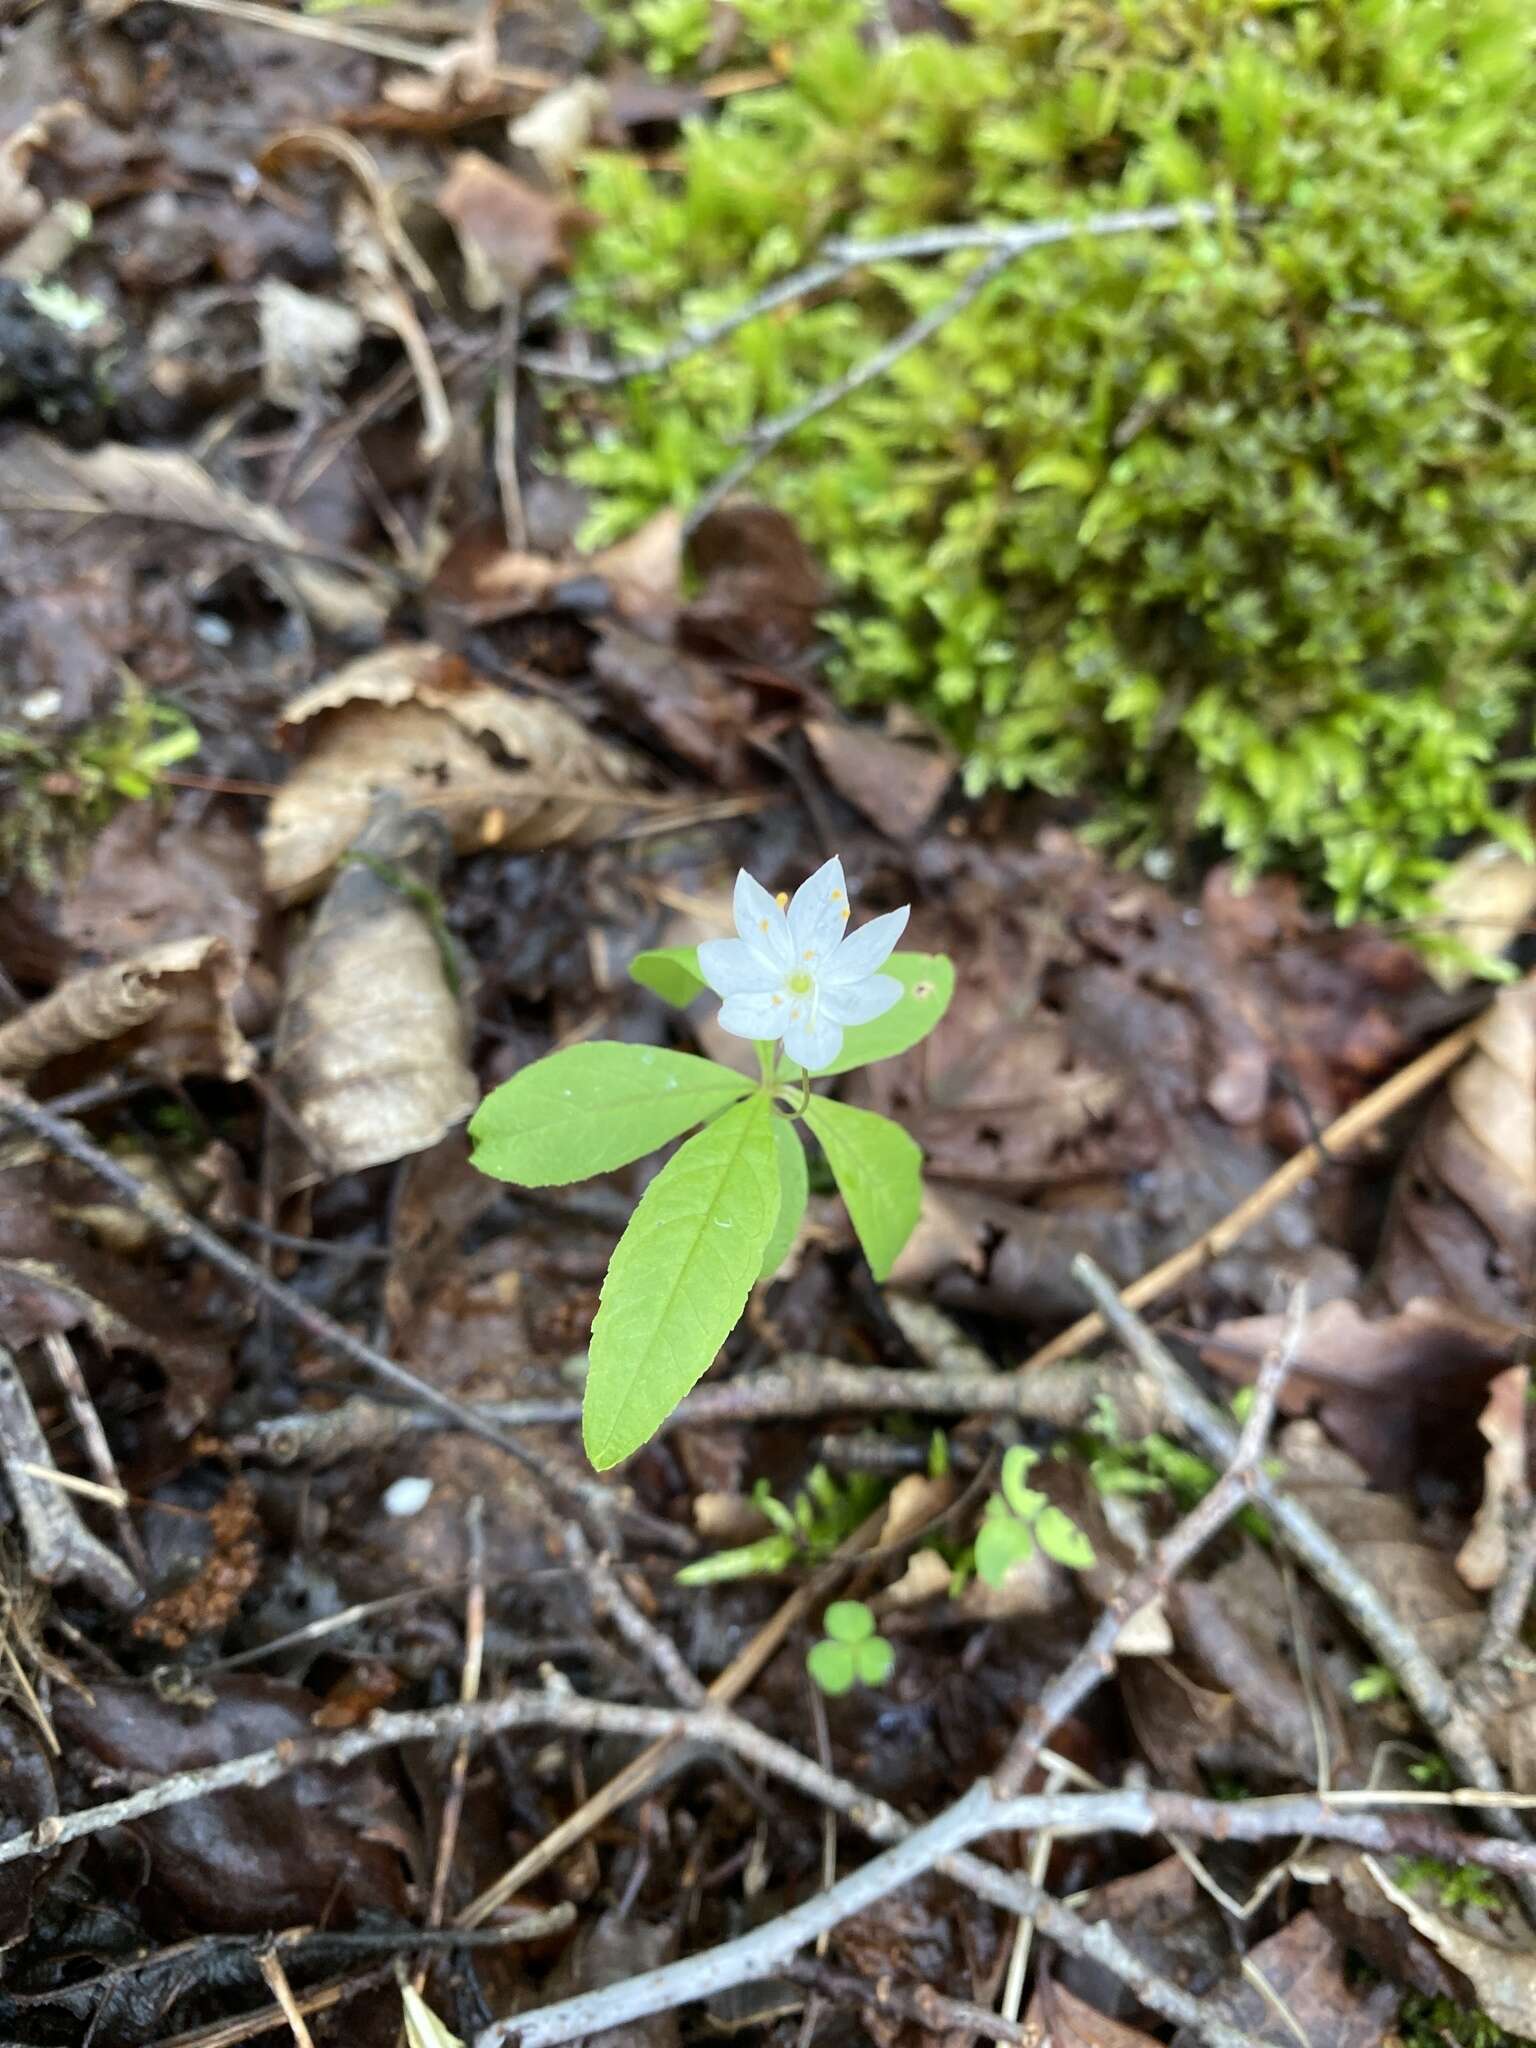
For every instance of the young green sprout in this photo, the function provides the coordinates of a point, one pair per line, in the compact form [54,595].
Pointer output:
[851,1652]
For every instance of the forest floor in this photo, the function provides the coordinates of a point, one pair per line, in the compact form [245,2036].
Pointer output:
[336,785]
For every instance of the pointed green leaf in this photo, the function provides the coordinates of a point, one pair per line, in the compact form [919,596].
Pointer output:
[423,2028]
[831,1665]
[794,1191]
[873,1660]
[928,982]
[594,1107]
[679,1278]
[848,1621]
[1060,1537]
[671,972]
[879,1173]
[1018,1462]
[1001,1543]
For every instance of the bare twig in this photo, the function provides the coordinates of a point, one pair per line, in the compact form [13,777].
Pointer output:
[173,1222]
[1357,1122]
[920,2002]
[732,1682]
[1510,1597]
[66,1370]
[802,1385]
[840,257]
[469,1692]
[771,434]
[611,1597]
[1394,1642]
[59,1546]
[1095,1661]
[282,1992]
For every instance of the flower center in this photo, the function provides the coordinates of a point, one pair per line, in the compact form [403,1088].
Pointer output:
[801,983]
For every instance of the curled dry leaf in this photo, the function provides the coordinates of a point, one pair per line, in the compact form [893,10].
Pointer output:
[370,1044]
[1462,1226]
[927,1576]
[917,1500]
[557,128]
[495,770]
[167,488]
[308,344]
[167,1006]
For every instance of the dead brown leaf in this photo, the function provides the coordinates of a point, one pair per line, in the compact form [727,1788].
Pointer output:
[1066,2021]
[639,576]
[509,231]
[898,786]
[1462,1226]
[371,1041]
[167,1008]
[1381,1385]
[1308,1994]
[493,768]
[308,344]
[1485,899]
[168,489]
[761,590]
[689,707]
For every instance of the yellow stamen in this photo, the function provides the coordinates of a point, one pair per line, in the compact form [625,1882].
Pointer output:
[782,899]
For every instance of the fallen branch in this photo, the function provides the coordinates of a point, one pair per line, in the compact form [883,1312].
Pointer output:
[803,1385]
[60,1549]
[1394,1642]
[1357,1122]
[842,256]
[573,1489]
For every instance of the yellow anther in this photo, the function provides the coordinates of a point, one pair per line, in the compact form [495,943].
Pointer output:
[782,899]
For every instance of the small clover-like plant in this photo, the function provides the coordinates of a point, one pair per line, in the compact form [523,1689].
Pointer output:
[1019,1517]
[851,1652]
[723,1212]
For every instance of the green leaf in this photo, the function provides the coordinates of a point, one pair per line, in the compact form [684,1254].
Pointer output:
[594,1107]
[928,982]
[794,1191]
[1018,1462]
[831,1665]
[1060,1537]
[747,1561]
[873,1661]
[879,1172]
[671,972]
[679,1278]
[848,1621]
[1001,1543]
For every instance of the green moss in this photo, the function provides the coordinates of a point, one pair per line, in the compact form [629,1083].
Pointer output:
[1433,2022]
[1229,528]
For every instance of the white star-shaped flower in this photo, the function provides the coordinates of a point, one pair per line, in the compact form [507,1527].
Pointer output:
[795,975]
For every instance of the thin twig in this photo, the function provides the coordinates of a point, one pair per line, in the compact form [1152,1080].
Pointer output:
[66,1370]
[920,2002]
[346,35]
[1095,1661]
[611,1597]
[771,434]
[60,1548]
[1395,1643]
[174,1222]
[282,1991]
[469,1692]
[1357,1122]
[629,1783]
[838,258]
[803,1385]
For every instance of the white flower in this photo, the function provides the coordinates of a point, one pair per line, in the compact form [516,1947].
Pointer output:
[796,976]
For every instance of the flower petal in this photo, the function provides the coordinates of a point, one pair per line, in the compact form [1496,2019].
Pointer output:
[760,921]
[866,949]
[754,1016]
[815,1041]
[861,1002]
[818,915]
[733,968]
